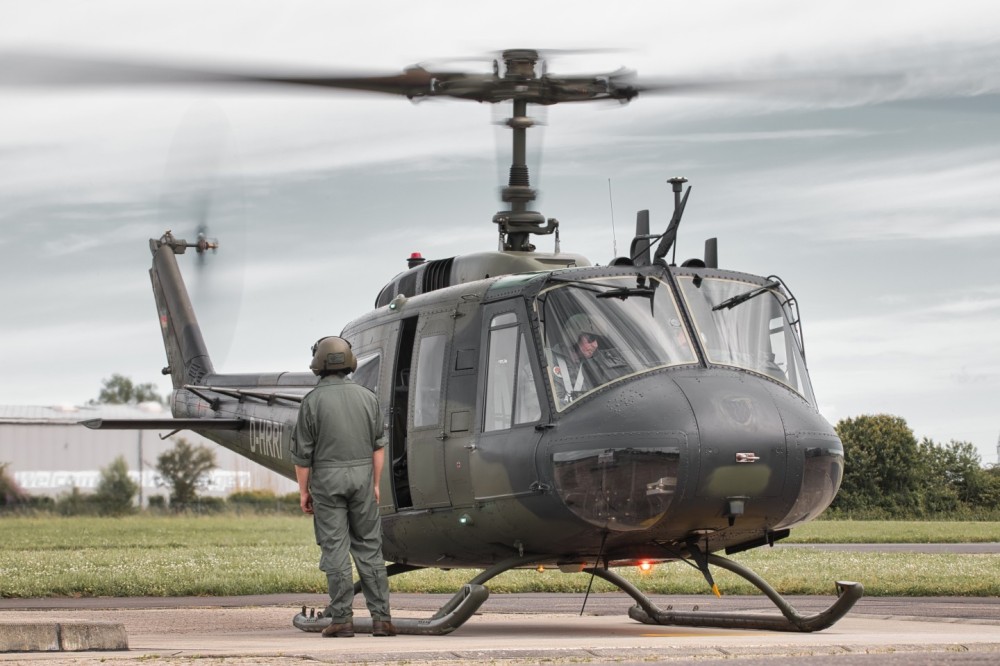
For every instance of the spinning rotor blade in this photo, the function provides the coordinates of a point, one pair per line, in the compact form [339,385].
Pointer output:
[819,81]
[200,202]
[522,77]
[31,70]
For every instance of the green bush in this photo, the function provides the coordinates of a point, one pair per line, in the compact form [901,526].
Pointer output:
[205,505]
[116,490]
[75,503]
[263,501]
[11,495]
[42,503]
[183,468]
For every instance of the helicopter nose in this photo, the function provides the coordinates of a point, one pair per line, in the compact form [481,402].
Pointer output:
[713,443]
[620,488]
[741,435]
[617,461]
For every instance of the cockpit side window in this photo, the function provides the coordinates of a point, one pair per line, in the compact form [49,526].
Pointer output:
[511,394]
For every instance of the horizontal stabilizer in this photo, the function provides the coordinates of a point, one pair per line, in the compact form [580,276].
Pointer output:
[164,424]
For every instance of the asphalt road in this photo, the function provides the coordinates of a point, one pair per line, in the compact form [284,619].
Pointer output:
[521,628]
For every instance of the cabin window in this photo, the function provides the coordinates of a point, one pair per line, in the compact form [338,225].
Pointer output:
[430,370]
[367,373]
[526,409]
[511,394]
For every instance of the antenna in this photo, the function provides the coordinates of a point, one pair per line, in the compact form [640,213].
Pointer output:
[614,238]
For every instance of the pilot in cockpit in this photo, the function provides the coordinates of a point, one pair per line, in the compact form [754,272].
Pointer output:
[576,365]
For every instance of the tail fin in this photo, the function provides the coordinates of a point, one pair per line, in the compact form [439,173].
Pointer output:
[187,356]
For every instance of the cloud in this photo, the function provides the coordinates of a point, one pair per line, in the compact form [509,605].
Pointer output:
[921,351]
[938,372]
[876,202]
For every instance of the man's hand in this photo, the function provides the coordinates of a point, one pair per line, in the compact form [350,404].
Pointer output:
[378,460]
[305,497]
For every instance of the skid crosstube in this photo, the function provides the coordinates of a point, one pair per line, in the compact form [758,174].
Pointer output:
[790,619]
[449,618]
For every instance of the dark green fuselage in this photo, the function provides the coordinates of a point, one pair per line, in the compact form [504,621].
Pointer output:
[689,450]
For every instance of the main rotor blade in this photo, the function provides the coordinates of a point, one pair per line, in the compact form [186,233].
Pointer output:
[32,70]
[819,84]
[936,72]
[948,76]
[35,70]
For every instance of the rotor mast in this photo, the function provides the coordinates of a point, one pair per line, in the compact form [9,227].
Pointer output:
[518,223]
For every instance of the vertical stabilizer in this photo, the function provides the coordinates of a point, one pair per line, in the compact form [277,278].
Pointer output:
[187,357]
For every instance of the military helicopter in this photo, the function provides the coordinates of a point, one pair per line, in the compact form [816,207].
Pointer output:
[694,431]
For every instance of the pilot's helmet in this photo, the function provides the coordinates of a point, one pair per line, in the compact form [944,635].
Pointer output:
[332,353]
[581,324]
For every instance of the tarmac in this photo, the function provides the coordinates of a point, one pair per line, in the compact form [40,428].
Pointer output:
[511,629]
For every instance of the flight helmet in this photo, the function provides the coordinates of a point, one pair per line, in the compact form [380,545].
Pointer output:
[332,353]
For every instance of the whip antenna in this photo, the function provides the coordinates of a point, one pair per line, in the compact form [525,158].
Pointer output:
[593,572]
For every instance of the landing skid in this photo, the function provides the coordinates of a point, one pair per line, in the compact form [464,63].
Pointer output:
[471,596]
[790,620]
[447,619]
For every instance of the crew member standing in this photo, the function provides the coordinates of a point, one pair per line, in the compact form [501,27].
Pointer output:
[337,448]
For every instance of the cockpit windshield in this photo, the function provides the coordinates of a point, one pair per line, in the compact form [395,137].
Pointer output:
[747,326]
[600,331]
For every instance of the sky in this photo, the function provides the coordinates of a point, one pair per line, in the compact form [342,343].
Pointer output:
[879,205]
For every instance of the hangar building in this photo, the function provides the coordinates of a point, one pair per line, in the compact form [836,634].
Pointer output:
[48,453]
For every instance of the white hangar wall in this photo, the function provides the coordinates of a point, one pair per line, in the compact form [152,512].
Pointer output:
[48,453]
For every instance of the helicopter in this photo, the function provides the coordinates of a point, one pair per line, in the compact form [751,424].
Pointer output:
[696,431]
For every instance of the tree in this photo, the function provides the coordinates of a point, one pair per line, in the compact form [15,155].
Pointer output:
[888,473]
[183,468]
[957,466]
[10,493]
[940,496]
[882,468]
[115,490]
[120,390]
[991,487]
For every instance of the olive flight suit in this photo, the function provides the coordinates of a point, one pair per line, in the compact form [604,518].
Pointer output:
[338,429]
[573,375]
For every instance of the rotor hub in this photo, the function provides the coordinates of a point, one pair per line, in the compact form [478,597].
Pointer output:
[520,63]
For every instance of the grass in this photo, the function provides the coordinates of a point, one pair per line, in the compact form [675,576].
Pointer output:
[896,531]
[228,555]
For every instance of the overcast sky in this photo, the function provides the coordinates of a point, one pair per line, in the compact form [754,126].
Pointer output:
[880,206]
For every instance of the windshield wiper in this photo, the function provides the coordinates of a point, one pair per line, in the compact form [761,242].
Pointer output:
[625,292]
[744,297]
[604,290]
[583,284]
